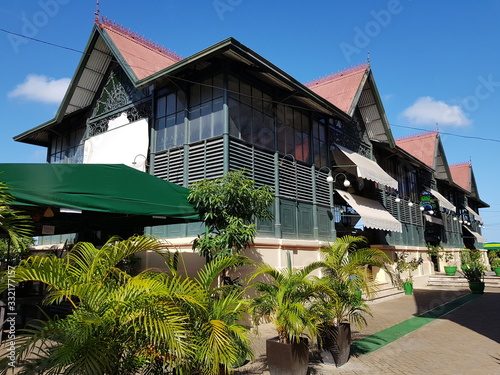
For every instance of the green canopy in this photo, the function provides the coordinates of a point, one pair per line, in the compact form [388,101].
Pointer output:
[491,246]
[96,195]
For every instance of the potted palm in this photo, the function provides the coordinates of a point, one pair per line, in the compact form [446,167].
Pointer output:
[474,273]
[345,271]
[284,297]
[450,269]
[405,266]
[495,266]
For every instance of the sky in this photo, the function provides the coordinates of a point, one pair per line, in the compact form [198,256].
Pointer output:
[435,63]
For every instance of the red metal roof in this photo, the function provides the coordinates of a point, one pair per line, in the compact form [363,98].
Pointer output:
[340,88]
[461,174]
[421,146]
[142,56]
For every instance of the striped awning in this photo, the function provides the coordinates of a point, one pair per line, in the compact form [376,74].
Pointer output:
[474,214]
[478,236]
[364,167]
[434,220]
[443,202]
[373,214]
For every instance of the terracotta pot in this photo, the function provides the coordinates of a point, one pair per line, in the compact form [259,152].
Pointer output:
[335,344]
[287,359]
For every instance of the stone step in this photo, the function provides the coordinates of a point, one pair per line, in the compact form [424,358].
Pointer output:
[386,291]
[490,280]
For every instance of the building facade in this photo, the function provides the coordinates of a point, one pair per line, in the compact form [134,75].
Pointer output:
[325,147]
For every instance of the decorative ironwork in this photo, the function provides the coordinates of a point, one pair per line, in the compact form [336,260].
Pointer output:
[338,136]
[134,113]
[140,111]
[98,127]
[118,92]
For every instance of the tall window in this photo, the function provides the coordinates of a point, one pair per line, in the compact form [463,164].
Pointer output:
[68,149]
[293,133]
[170,113]
[250,114]
[319,143]
[206,118]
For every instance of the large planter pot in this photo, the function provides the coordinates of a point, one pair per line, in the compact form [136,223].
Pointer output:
[287,359]
[408,287]
[476,287]
[497,271]
[450,270]
[335,344]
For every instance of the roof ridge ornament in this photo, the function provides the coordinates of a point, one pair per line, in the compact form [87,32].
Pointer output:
[329,77]
[107,23]
[97,11]
[460,164]
[423,134]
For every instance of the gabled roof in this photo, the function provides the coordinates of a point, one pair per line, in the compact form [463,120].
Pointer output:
[146,63]
[342,88]
[355,88]
[427,147]
[463,176]
[142,56]
[139,58]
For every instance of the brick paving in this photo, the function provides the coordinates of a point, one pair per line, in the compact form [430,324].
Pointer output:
[464,341]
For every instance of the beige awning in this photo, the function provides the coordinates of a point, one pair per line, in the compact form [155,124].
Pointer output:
[474,214]
[373,214]
[365,168]
[479,238]
[443,202]
[434,220]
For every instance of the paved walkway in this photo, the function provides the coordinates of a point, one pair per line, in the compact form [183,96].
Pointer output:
[465,340]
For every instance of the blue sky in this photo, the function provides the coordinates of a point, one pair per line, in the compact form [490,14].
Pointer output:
[436,63]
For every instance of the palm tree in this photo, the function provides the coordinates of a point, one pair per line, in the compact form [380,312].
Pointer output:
[284,297]
[345,270]
[119,324]
[221,341]
[14,225]
[346,262]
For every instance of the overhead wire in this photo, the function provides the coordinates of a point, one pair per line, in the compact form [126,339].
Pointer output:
[250,96]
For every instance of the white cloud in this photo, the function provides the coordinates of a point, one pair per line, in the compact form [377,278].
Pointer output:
[41,88]
[428,111]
